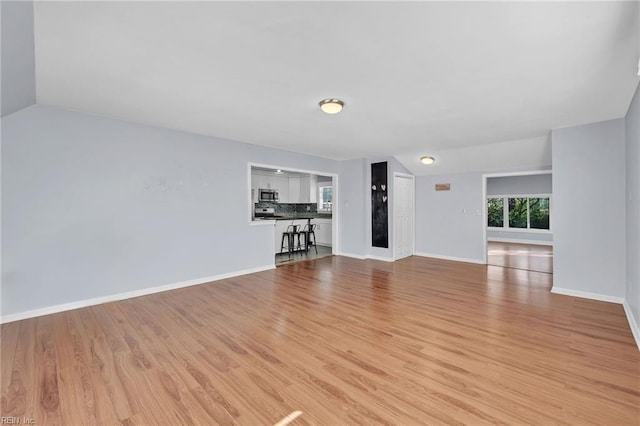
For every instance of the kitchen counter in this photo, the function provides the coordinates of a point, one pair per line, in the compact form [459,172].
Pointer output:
[296,216]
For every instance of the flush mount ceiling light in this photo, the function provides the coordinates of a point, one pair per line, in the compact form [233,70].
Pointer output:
[279,172]
[427,160]
[331,106]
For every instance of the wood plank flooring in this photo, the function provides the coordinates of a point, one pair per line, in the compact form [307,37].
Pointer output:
[322,251]
[344,341]
[520,256]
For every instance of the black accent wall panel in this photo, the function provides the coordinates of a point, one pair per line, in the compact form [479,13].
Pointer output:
[379,205]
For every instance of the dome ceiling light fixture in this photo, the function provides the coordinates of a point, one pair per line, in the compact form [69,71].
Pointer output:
[425,159]
[331,106]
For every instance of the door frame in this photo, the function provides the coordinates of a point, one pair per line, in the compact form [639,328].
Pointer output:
[485,243]
[334,213]
[399,175]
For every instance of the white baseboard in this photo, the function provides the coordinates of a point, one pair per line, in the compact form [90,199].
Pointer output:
[455,259]
[587,295]
[519,241]
[384,259]
[369,256]
[633,323]
[127,295]
[354,256]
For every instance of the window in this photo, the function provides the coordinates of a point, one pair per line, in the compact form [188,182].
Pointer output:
[519,212]
[539,213]
[496,212]
[325,198]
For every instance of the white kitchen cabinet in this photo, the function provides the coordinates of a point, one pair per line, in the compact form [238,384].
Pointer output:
[294,189]
[304,189]
[281,183]
[309,189]
[323,231]
[268,181]
[313,189]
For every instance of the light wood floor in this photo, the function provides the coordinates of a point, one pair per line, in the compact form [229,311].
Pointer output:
[521,256]
[345,341]
[323,251]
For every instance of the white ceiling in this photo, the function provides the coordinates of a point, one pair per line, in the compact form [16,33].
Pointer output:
[416,78]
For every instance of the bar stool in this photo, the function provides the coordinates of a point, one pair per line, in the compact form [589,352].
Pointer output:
[309,231]
[290,235]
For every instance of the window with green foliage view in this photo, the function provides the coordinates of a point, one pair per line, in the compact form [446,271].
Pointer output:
[519,212]
[539,213]
[496,212]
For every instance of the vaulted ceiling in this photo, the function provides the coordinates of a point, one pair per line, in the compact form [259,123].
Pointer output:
[462,80]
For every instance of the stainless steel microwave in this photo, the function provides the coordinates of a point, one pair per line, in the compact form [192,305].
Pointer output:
[268,195]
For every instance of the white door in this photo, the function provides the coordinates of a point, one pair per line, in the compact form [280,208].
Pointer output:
[403,211]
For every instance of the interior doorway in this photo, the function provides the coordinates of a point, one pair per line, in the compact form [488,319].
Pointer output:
[530,257]
[518,219]
[296,201]
[403,215]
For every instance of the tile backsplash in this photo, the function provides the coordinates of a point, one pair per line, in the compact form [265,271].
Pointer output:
[290,207]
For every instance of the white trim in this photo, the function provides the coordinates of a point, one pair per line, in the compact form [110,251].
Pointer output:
[519,241]
[413,212]
[403,175]
[335,223]
[635,329]
[270,222]
[353,256]
[369,256]
[289,169]
[532,195]
[384,259]
[586,295]
[453,258]
[334,214]
[505,213]
[126,295]
[485,218]
[525,173]
[520,230]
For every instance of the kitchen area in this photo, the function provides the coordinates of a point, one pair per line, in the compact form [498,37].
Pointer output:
[300,206]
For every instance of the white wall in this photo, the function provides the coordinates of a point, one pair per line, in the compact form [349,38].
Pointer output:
[352,200]
[632,175]
[18,56]
[94,207]
[589,208]
[442,229]
[545,238]
[525,184]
